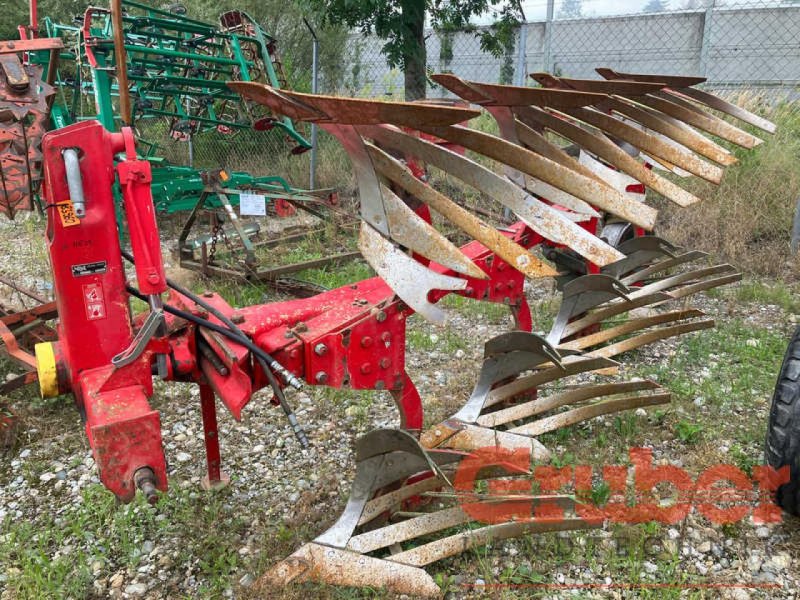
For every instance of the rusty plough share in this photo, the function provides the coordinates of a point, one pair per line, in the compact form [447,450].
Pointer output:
[24,109]
[584,205]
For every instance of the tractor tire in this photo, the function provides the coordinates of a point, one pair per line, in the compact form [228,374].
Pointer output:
[783,430]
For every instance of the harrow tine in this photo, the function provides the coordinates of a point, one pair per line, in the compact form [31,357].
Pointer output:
[581,294]
[508,250]
[639,251]
[540,217]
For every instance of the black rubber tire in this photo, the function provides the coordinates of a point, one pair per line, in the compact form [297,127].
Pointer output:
[783,430]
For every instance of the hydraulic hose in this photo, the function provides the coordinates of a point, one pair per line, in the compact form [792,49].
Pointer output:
[232,332]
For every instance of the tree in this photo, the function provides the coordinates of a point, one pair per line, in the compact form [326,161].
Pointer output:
[654,6]
[571,9]
[401,23]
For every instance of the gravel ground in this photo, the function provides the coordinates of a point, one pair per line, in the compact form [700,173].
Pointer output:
[276,486]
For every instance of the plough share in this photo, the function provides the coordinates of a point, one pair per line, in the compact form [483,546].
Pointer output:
[583,205]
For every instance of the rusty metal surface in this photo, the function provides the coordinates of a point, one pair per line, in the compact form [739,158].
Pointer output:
[350,111]
[511,252]
[553,401]
[683,111]
[651,336]
[410,280]
[541,218]
[461,542]
[573,181]
[604,335]
[409,230]
[24,109]
[726,107]
[584,413]
[649,144]
[598,86]
[334,566]
[670,80]
[608,151]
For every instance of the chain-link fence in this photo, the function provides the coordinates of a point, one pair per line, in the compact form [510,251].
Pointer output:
[733,43]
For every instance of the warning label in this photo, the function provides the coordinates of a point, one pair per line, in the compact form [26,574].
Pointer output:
[67,214]
[94,302]
[92,268]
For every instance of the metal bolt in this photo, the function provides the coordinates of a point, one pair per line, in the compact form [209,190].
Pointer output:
[320,349]
[294,353]
[366,368]
[208,294]
[321,377]
[469,291]
[386,338]
[384,363]
[366,341]
[380,316]
[237,318]
[379,385]
[499,287]
[301,327]
[501,266]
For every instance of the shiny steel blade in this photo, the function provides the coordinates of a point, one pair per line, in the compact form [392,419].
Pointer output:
[608,151]
[541,218]
[549,172]
[410,280]
[511,252]
[410,230]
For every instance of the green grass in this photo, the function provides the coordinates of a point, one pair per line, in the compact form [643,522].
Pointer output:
[777,293]
[51,556]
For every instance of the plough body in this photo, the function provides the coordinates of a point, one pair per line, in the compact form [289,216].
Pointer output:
[354,336]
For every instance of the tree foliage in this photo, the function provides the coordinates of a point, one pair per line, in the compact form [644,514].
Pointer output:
[401,24]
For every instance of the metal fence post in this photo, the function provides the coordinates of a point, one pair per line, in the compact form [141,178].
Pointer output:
[312,174]
[705,42]
[548,36]
[522,54]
